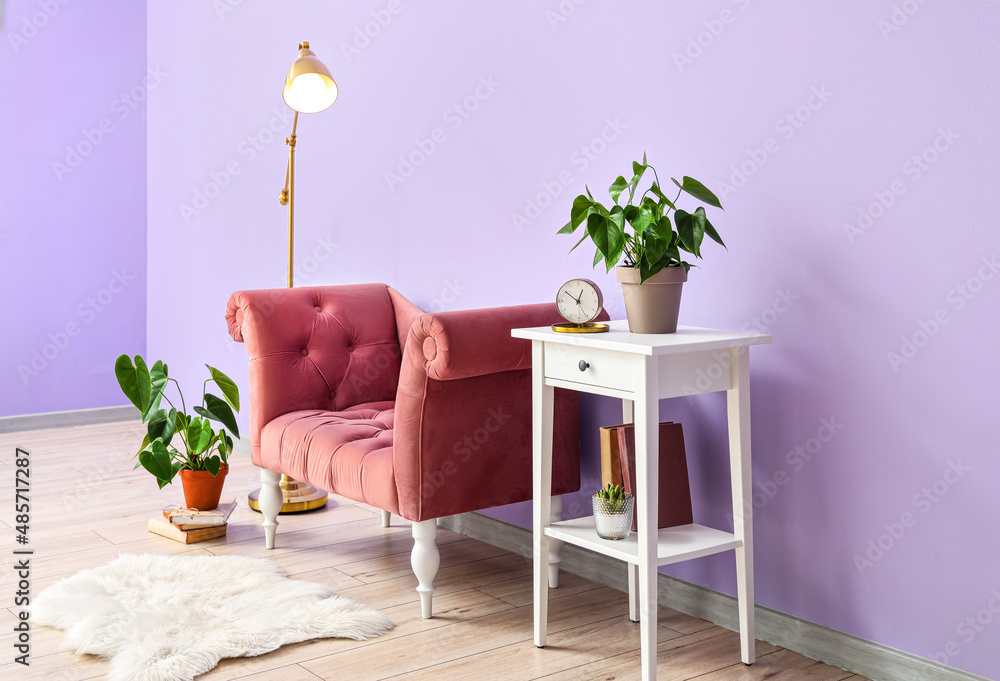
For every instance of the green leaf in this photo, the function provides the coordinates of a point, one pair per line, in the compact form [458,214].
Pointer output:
[616,237]
[597,228]
[162,425]
[157,461]
[710,231]
[227,386]
[645,272]
[698,191]
[158,383]
[144,445]
[213,464]
[225,445]
[598,257]
[655,188]
[133,380]
[663,230]
[199,432]
[642,220]
[582,239]
[655,248]
[617,188]
[691,228]
[217,410]
[582,207]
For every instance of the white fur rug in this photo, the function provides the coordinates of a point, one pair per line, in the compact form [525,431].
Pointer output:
[170,618]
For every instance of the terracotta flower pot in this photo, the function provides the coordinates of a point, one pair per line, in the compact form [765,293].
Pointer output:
[202,489]
[653,305]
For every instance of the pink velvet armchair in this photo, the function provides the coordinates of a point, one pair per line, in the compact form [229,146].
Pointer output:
[356,391]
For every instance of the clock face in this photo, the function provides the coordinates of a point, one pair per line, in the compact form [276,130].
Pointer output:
[579,300]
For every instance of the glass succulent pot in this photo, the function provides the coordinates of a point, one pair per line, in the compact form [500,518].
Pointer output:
[613,519]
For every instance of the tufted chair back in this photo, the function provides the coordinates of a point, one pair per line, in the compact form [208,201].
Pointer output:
[319,347]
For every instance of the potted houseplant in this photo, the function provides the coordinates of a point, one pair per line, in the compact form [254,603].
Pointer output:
[613,508]
[653,272]
[201,452]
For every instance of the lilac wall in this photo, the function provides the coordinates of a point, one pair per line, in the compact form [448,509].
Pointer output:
[72,200]
[802,117]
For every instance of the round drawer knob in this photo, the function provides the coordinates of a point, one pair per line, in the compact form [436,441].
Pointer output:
[583,365]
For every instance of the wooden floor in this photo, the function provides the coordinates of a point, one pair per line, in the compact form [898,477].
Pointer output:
[88,505]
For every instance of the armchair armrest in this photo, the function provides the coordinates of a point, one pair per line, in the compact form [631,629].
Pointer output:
[448,346]
[462,432]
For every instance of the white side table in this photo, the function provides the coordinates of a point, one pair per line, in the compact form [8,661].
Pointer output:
[641,369]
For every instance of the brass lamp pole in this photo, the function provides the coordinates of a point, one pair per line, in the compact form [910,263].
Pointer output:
[309,88]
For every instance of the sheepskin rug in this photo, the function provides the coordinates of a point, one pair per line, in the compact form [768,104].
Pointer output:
[170,618]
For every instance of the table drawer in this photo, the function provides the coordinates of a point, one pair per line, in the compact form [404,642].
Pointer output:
[599,367]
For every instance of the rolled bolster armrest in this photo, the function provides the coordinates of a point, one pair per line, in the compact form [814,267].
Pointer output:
[234,317]
[468,343]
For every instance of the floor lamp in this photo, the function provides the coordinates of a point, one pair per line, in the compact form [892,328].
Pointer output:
[309,88]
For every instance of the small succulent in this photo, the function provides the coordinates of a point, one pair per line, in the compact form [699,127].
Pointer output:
[613,496]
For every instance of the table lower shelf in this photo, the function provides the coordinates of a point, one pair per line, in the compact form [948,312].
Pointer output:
[675,544]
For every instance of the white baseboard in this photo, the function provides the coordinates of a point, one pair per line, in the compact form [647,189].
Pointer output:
[61,419]
[816,641]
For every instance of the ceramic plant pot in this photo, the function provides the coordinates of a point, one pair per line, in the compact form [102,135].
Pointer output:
[202,489]
[653,305]
[613,522]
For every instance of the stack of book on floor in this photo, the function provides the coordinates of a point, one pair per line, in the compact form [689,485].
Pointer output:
[188,525]
[618,468]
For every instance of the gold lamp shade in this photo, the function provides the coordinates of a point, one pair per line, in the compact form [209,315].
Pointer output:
[309,86]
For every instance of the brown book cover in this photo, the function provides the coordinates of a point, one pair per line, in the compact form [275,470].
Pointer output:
[674,488]
[161,526]
[611,463]
[189,518]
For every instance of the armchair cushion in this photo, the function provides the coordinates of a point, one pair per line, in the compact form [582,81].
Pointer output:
[348,451]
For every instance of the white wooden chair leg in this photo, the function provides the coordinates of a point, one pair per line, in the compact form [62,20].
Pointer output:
[270,501]
[425,560]
[385,518]
[633,592]
[555,515]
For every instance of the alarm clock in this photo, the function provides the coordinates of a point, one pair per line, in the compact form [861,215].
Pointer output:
[579,301]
